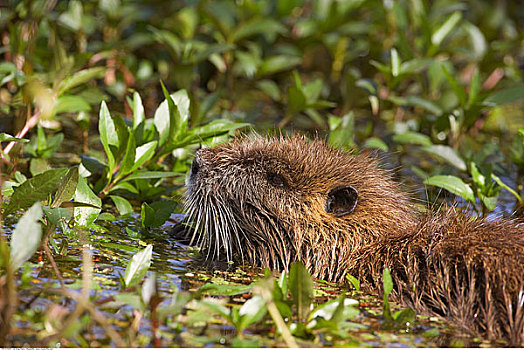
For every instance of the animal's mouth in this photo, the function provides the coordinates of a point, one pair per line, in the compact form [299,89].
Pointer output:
[214,227]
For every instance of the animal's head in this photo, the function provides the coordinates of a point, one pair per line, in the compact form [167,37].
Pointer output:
[273,201]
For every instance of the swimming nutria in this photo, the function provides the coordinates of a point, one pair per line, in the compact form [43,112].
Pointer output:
[270,202]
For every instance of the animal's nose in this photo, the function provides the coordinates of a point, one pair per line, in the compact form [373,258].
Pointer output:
[195,167]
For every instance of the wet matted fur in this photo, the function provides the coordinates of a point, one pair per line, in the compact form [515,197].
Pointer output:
[270,202]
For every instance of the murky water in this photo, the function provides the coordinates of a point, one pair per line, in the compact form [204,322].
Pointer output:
[175,270]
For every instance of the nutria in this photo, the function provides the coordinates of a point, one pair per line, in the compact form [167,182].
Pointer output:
[270,202]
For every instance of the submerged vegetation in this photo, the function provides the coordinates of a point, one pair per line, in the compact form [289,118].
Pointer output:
[102,104]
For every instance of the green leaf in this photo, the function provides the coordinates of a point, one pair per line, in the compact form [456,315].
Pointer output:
[278,63]
[296,101]
[342,131]
[70,104]
[122,205]
[354,281]
[147,215]
[150,175]
[413,138]
[478,41]
[506,187]
[8,138]
[283,283]
[501,97]
[402,317]
[36,189]
[452,184]
[252,311]
[270,88]
[387,282]
[215,128]
[459,90]
[79,78]
[330,310]
[445,29]
[59,217]
[162,211]
[128,162]
[395,63]
[138,110]
[478,178]
[86,216]
[138,266]
[143,154]
[474,89]
[415,65]
[26,236]
[448,154]
[368,85]
[223,289]
[255,26]
[67,187]
[426,104]
[375,143]
[108,135]
[301,288]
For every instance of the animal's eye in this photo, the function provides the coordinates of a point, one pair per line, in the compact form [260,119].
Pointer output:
[276,180]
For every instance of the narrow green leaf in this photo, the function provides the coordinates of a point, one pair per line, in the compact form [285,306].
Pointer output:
[128,162]
[108,135]
[452,184]
[137,267]
[414,138]
[223,289]
[477,176]
[138,110]
[459,90]
[150,175]
[36,189]
[448,154]
[143,154]
[79,78]
[278,63]
[445,29]
[474,89]
[428,105]
[387,282]
[501,97]
[70,104]
[503,185]
[26,236]
[8,138]
[368,85]
[354,281]
[301,288]
[255,26]
[395,63]
[375,143]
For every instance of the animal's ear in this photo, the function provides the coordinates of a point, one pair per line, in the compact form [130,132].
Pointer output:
[341,200]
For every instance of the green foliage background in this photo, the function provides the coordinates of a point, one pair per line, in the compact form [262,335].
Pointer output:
[436,83]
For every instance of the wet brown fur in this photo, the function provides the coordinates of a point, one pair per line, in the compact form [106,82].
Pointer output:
[469,270]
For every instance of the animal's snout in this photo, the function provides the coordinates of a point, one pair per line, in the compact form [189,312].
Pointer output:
[195,166]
